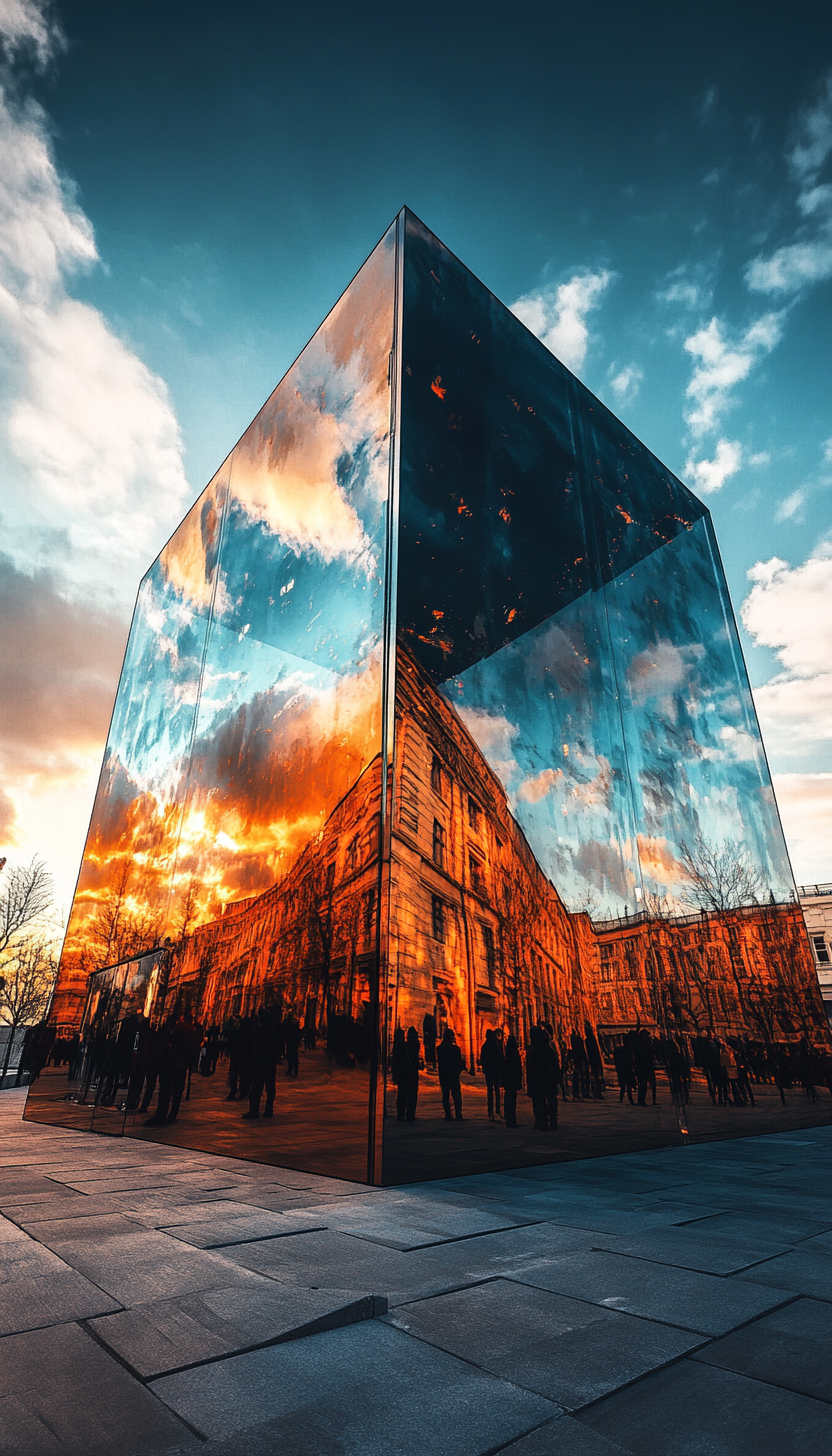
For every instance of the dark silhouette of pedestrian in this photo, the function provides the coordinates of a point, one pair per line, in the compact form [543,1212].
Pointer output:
[623,1059]
[543,1076]
[492,1061]
[429,1039]
[291,1044]
[451,1065]
[512,1080]
[414,1053]
[645,1067]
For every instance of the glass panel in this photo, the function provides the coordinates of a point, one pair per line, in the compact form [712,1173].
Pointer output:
[264,872]
[574,736]
[122,899]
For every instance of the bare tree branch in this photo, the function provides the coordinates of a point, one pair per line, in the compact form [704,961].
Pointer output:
[721,876]
[25,896]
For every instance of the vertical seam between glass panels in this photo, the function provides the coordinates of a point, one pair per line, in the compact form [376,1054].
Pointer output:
[388,700]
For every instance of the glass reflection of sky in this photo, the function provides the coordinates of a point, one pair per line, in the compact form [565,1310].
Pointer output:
[578,715]
[250,695]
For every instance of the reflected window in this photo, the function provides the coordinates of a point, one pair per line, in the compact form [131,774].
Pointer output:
[436,775]
[352,854]
[821,950]
[438,918]
[369,911]
[439,842]
[474,815]
[476,873]
[490,954]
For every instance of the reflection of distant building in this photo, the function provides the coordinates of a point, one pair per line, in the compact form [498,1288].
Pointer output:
[479,937]
[816,902]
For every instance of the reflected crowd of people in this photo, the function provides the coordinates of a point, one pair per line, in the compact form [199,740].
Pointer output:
[576,1069]
[137,1066]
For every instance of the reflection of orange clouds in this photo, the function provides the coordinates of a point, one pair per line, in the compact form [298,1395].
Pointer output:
[657,861]
[262,786]
[285,475]
[533,790]
[335,399]
[185,558]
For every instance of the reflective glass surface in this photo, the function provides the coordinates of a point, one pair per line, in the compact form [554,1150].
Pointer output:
[435,831]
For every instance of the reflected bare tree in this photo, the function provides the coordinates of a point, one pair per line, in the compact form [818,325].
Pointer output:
[720,875]
[121,927]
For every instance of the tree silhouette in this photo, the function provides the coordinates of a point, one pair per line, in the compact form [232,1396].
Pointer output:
[720,876]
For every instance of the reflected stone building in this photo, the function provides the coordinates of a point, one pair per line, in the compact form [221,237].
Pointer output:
[433,715]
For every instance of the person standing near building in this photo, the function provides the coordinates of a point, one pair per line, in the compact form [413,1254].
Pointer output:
[451,1065]
[413,1050]
[492,1061]
[543,1076]
[512,1080]
[399,1072]
[429,1039]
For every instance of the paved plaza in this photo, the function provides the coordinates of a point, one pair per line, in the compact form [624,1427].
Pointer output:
[159,1301]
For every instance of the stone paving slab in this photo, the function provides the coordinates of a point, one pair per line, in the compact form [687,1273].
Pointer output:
[752,1226]
[565,1349]
[61,1393]
[693,1409]
[789,1348]
[10,1233]
[404,1221]
[242,1229]
[367,1388]
[334,1258]
[686,1249]
[804,1271]
[563,1436]
[35,1302]
[172,1334]
[702,1303]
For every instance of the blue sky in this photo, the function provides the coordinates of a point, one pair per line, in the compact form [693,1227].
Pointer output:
[185,190]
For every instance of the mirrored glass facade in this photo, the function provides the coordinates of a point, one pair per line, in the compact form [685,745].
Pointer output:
[434,832]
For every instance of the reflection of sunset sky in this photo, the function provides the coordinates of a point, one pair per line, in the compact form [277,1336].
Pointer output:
[546,720]
[252,680]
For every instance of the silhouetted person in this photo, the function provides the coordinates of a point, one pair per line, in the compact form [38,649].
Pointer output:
[413,1055]
[451,1065]
[805,1069]
[234,1038]
[263,1066]
[492,1061]
[399,1068]
[542,1078]
[429,1038]
[744,1074]
[512,1080]
[580,1067]
[645,1067]
[595,1063]
[623,1058]
[291,1044]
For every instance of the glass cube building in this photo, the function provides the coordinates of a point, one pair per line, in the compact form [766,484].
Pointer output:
[434,832]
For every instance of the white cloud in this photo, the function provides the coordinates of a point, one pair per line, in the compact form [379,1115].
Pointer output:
[90,445]
[807,259]
[788,509]
[625,382]
[25,25]
[789,609]
[762,457]
[721,365]
[558,315]
[805,804]
[706,476]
